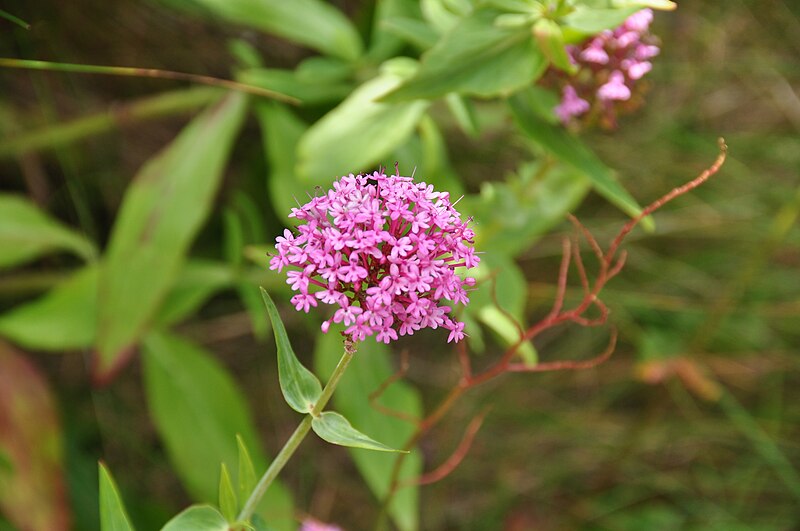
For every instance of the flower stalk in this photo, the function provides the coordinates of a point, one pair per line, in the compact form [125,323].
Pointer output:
[298,435]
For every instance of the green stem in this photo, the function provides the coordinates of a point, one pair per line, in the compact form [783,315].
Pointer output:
[8,62]
[299,434]
[16,20]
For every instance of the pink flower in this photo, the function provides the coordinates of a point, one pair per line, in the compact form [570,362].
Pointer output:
[608,66]
[309,524]
[571,104]
[384,251]
[615,88]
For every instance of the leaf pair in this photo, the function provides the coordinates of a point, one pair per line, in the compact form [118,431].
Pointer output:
[302,391]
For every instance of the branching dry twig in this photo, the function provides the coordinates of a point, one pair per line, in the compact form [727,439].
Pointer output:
[610,264]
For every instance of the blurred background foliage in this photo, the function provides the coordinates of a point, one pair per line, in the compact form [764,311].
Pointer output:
[693,424]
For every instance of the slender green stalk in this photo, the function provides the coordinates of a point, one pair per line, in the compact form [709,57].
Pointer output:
[299,434]
[16,20]
[145,72]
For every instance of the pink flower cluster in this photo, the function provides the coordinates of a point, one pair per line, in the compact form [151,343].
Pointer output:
[609,65]
[382,249]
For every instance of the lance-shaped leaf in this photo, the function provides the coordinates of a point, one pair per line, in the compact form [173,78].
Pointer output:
[336,429]
[32,493]
[113,516]
[475,57]
[551,41]
[314,23]
[27,233]
[198,518]
[247,473]
[281,130]
[590,20]
[307,90]
[300,388]
[359,132]
[162,211]
[198,411]
[228,503]
[572,152]
[63,319]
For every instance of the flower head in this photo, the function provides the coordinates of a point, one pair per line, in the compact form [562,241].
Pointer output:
[384,251]
[609,66]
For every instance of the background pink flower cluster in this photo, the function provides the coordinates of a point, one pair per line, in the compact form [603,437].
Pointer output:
[609,65]
[384,250]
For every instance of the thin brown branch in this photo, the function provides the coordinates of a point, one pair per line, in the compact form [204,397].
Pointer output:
[576,256]
[569,365]
[377,393]
[502,310]
[563,272]
[596,249]
[455,459]
[666,198]
[464,361]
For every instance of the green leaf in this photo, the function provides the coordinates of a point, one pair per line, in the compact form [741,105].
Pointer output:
[247,473]
[236,235]
[300,388]
[197,518]
[385,44]
[198,410]
[439,15]
[336,429]
[590,20]
[27,233]
[551,41]
[414,31]
[162,211]
[32,490]
[368,370]
[227,497]
[197,282]
[572,152]
[508,288]
[663,5]
[308,91]
[357,133]
[475,57]
[511,215]
[428,150]
[313,23]
[463,111]
[63,319]
[113,516]
[281,130]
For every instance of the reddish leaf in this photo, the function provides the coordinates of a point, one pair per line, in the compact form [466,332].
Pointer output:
[32,492]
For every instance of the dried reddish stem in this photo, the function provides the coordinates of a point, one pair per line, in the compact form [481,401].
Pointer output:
[502,310]
[666,198]
[563,272]
[610,265]
[455,459]
[377,393]
[463,359]
[576,256]
[569,365]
